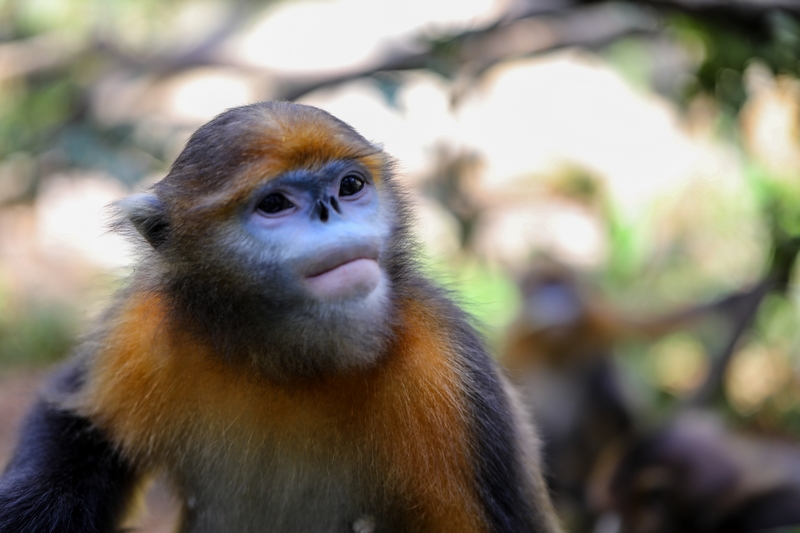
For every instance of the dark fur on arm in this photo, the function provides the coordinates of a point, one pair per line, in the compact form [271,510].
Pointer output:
[505,488]
[512,492]
[64,475]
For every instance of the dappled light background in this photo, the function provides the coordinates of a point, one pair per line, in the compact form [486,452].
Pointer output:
[649,149]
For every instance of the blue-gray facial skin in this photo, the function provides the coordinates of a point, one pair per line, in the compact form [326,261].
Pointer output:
[325,226]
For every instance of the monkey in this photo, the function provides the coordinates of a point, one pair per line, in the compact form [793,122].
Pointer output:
[560,354]
[279,355]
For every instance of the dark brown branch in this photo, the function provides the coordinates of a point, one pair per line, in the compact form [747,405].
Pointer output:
[751,18]
[744,7]
[542,29]
[26,57]
[522,35]
[742,310]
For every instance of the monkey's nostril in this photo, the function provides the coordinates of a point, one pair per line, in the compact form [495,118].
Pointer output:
[323,211]
[335,205]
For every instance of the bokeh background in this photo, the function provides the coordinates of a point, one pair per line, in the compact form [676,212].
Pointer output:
[640,160]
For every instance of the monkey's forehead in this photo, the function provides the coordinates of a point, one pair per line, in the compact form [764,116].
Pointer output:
[282,143]
[272,138]
[243,148]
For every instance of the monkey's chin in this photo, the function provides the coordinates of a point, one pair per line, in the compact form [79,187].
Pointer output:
[354,279]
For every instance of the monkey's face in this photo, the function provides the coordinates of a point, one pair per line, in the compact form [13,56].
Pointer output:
[324,226]
[278,224]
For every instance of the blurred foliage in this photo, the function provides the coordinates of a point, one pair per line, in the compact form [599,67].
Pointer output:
[779,198]
[34,334]
[729,51]
[486,293]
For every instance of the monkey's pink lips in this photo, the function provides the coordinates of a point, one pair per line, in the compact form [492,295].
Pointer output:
[342,273]
[358,276]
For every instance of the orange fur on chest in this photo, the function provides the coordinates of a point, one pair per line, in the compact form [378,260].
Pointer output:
[402,422]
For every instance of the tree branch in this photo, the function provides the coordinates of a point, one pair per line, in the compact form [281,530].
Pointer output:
[522,35]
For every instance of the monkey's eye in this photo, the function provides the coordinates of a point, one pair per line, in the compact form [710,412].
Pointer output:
[274,203]
[350,185]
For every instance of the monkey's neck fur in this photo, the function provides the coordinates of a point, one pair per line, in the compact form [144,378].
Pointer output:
[284,339]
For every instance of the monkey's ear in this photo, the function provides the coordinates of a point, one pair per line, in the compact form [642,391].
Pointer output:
[147,214]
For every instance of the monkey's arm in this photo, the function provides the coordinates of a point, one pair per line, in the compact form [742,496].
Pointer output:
[513,491]
[64,476]
[514,494]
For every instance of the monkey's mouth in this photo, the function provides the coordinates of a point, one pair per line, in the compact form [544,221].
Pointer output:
[344,272]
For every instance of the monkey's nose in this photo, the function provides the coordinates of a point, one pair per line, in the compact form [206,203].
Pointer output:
[323,208]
